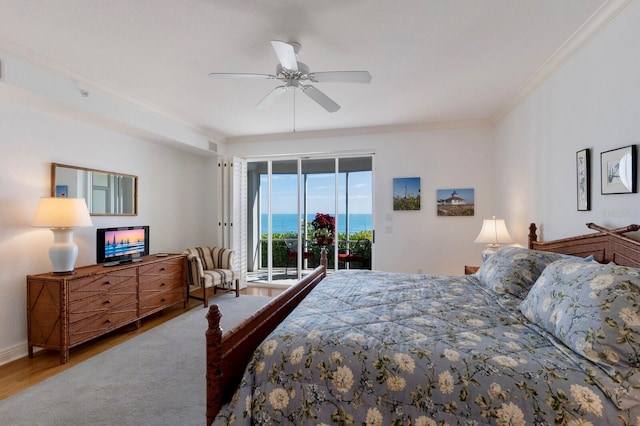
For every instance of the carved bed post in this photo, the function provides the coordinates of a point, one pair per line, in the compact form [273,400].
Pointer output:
[532,234]
[214,362]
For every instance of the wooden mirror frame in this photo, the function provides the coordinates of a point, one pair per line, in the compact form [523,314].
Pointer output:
[113,205]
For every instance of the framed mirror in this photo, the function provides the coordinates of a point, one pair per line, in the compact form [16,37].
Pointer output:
[106,193]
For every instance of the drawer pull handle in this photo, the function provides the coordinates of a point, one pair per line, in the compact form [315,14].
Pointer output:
[107,282]
[163,300]
[108,321]
[163,269]
[106,302]
[163,284]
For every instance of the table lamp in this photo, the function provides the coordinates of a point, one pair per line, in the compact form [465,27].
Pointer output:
[493,233]
[62,215]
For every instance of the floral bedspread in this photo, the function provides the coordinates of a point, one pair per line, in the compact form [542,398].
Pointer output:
[376,348]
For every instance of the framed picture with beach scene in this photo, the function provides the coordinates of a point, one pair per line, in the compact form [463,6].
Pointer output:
[456,202]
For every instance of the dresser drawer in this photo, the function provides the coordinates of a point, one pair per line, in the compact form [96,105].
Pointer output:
[160,283]
[97,284]
[101,323]
[103,302]
[159,301]
[161,268]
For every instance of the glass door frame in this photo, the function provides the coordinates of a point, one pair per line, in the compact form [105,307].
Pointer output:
[301,206]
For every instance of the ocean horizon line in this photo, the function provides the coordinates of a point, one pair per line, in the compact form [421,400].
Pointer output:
[283,223]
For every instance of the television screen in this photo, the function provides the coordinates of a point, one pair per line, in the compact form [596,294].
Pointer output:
[118,245]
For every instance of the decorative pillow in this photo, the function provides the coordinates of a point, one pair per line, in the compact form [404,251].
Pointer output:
[513,270]
[594,309]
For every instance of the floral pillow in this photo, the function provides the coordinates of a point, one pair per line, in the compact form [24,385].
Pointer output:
[594,309]
[513,270]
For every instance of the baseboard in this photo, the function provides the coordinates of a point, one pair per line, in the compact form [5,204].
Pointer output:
[14,352]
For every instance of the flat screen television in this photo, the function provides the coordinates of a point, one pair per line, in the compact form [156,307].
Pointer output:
[126,244]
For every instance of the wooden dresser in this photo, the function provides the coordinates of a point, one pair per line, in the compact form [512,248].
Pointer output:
[66,310]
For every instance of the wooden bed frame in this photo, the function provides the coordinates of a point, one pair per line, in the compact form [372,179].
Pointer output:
[606,245]
[229,353]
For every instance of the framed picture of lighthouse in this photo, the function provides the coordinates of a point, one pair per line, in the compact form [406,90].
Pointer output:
[406,193]
[455,202]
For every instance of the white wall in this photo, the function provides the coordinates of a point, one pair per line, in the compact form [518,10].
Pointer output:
[523,170]
[591,101]
[175,198]
[412,241]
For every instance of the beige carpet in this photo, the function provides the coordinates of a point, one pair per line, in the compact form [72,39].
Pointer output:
[157,378]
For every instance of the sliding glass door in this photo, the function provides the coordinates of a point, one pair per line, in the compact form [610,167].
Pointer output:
[284,197]
[355,213]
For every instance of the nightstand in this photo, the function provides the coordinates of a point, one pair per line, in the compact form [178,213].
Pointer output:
[468,270]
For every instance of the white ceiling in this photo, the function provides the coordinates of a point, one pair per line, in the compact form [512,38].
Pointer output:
[431,60]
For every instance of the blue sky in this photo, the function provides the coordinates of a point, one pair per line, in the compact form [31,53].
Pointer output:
[412,186]
[321,189]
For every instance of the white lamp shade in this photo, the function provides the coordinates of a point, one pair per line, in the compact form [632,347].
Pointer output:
[62,213]
[494,232]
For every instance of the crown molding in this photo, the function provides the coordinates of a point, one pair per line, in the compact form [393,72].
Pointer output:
[360,131]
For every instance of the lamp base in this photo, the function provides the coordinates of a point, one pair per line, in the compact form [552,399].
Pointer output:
[63,252]
[489,251]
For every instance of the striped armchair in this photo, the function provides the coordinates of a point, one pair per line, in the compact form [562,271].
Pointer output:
[211,267]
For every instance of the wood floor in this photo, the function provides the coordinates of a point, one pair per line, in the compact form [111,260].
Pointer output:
[18,375]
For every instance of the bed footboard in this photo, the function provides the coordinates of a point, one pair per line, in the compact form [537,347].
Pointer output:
[229,353]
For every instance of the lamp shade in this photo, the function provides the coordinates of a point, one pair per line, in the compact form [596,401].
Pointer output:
[494,232]
[62,213]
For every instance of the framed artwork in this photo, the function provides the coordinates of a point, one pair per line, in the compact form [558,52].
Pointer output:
[406,193]
[62,191]
[618,171]
[583,177]
[456,202]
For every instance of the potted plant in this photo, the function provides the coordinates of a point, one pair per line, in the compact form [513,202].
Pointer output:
[323,228]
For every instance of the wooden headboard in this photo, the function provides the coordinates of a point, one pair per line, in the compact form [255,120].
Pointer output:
[606,245]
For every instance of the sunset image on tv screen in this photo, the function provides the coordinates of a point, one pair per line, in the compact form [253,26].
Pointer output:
[124,241]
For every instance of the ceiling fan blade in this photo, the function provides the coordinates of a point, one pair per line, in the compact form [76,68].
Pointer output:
[323,100]
[242,75]
[271,97]
[340,77]
[286,55]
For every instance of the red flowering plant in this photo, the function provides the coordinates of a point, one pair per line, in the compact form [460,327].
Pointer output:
[323,226]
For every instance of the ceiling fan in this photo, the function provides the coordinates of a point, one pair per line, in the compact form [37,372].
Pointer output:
[296,75]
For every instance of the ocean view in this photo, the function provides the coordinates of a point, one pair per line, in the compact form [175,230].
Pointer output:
[287,223]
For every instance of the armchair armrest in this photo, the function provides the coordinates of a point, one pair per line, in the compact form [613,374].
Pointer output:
[195,271]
